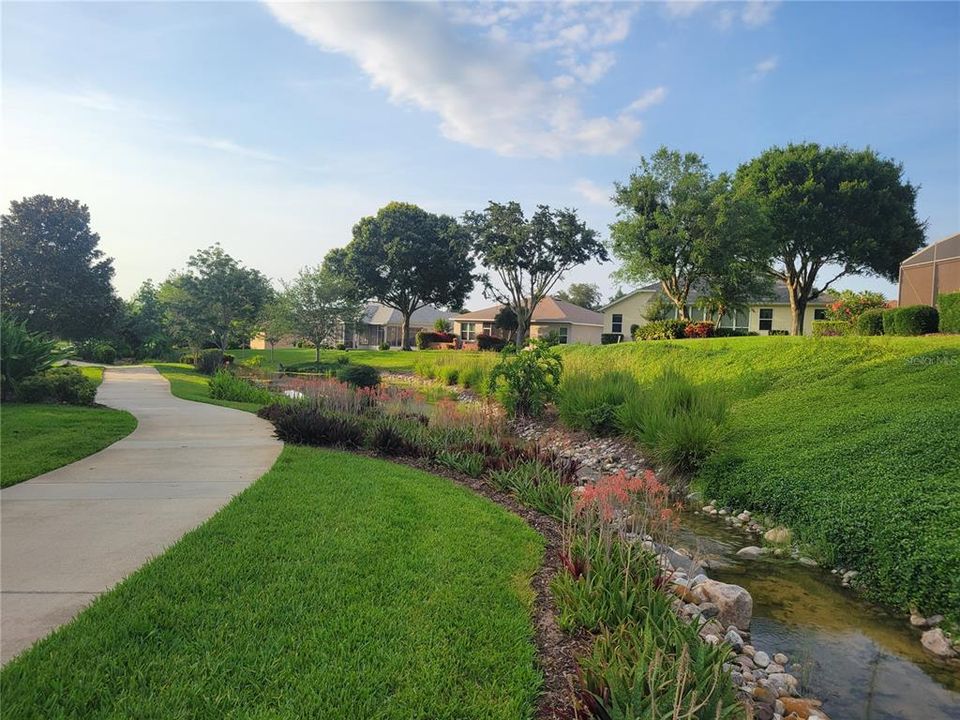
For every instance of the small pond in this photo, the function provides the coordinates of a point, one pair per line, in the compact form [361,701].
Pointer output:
[862,661]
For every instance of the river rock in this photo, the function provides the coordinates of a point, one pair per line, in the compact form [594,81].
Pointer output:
[918,620]
[775,668]
[734,602]
[750,552]
[802,707]
[809,562]
[934,620]
[761,659]
[778,535]
[709,610]
[784,683]
[781,659]
[733,639]
[749,650]
[936,643]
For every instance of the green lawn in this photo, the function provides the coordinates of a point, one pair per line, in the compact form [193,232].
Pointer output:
[187,384]
[336,586]
[853,442]
[37,438]
[93,372]
[389,360]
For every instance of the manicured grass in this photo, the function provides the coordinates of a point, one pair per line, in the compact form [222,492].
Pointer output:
[389,360]
[95,373]
[853,442]
[35,439]
[336,586]
[187,384]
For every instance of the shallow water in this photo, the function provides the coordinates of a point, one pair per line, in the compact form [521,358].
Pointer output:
[862,661]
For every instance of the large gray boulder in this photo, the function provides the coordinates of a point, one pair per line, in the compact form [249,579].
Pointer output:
[733,602]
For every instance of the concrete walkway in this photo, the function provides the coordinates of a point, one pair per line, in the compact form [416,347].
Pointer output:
[73,533]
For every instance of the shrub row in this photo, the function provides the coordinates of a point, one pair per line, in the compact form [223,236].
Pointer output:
[425,338]
[911,320]
[58,385]
[225,385]
[489,342]
[342,369]
[949,312]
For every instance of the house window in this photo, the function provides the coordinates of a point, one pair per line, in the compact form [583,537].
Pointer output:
[819,314]
[735,320]
[766,318]
[616,323]
[468,332]
[488,328]
[563,334]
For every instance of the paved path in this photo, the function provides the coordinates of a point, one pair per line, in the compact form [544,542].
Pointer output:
[73,533]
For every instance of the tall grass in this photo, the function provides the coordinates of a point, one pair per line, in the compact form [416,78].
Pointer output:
[469,369]
[589,401]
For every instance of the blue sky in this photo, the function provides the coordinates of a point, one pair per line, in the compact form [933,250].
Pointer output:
[273,128]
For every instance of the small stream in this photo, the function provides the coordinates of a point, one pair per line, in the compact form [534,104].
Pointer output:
[862,662]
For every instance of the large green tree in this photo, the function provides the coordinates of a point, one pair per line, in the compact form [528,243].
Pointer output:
[54,275]
[215,300]
[833,210]
[528,257]
[319,301]
[583,294]
[142,324]
[407,258]
[681,225]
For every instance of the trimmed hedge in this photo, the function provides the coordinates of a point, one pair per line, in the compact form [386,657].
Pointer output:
[949,312]
[870,322]
[425,338]
[489,342]
[661,330]
[610,338]
[911,320]
[830,328]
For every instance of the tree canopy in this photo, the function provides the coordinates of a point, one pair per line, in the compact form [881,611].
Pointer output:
[55,277]
[830,209]
[318,301]
[215,299]
[585,295]
[528,257]
[407,258]
[679,224]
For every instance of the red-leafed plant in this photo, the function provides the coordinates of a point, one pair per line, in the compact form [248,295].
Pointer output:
[699,330]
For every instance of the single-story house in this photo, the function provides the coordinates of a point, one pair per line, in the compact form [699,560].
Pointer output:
[762,316]
[571,323]
[932,271]
[381,324]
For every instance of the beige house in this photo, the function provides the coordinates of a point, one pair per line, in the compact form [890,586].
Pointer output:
[932,271]
[571,323]
[760,317]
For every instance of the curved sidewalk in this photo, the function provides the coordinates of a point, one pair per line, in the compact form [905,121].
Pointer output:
[72,533]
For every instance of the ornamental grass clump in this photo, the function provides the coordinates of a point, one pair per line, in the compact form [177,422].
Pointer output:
[226,385]
[589,401]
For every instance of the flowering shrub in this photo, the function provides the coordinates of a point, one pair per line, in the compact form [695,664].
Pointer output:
[699,330]
[850,305]
[526,380]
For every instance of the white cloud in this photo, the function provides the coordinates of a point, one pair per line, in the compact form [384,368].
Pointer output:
[758,12]
[683,8]
[232,148]
[484,88]
[648,99]
[765,67]
[592,192]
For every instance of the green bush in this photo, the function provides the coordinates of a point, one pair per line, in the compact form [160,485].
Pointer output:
[308,424]
[831,328]
[23,353]
[949,312]
[590,402]
[209,361]
[870,322]
[610,338]
[911,320]
[385,345]
[661,330]
[359,375]
[104,353]
[526,380]
[66,385]
[224,385]
[397,437]
[448,375]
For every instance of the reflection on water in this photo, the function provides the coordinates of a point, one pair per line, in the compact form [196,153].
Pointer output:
[864,663]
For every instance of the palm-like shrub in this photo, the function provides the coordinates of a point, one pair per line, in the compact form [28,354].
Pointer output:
[24,353]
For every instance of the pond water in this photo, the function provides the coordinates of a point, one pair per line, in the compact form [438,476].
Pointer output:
[862,661]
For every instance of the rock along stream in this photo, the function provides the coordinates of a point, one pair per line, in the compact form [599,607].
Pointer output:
[862,662]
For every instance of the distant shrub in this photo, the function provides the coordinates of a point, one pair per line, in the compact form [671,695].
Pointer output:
[949,312]
[590,402]
[424,338]
[209,361]
[850,305]
[308,424]
[610,338]
[384,346]
[733,332]
[58,385]
[661,330]
[778,332]
[911,320]
[830,328]
[448,375]
[699,330]
[442,325]
[489,342]
[341,346]
[224,385]
[359,375]
[870,322]
[526,380]
[104,353]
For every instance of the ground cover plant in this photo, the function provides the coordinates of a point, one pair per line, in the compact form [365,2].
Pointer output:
[188,384]
[35,439]
[852,441]
[335,586]
[394,361]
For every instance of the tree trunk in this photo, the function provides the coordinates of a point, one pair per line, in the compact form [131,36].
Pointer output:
[523,327]
[317,346]
[405,331]
[798,308]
